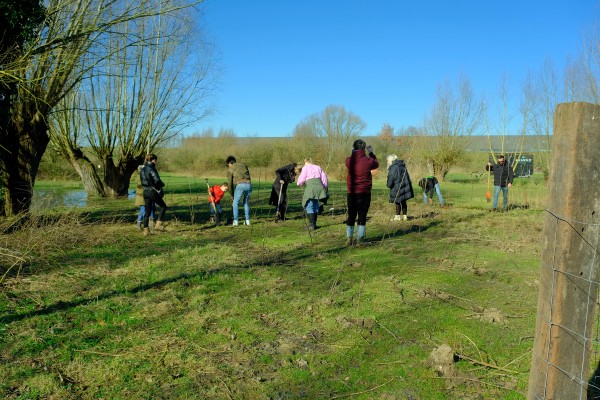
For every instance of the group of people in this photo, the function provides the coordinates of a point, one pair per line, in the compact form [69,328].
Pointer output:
[359,183]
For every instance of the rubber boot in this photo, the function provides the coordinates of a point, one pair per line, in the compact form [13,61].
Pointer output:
[217,218]
[139,225]
[311,221]
[349,235]
[360,235]
[315,216]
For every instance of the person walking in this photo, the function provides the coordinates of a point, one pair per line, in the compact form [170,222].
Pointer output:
[359,183]
[503,178]
[430,184]
[153,193]
[400,185]
[283,177]
[139,202]
[316,184]
[238,177]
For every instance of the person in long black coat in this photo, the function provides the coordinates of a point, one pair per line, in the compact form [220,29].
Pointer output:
[400,185]
[283,177]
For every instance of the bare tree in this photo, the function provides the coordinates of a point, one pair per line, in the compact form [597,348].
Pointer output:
[137,98]
[502,127]
[45,70]
[582,74]
[539,101]
[333,128]
[456,115]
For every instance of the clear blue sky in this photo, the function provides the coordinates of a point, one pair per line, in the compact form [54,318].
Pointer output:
[284,60]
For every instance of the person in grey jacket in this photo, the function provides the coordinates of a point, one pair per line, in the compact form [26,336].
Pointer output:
[153,192]
[400,185]
[503,178]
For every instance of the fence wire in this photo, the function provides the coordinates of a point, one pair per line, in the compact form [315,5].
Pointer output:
[586,375]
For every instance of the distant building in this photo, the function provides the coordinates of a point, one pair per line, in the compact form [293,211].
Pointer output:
[512,144]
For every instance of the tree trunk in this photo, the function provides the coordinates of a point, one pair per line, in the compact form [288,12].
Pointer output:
[23,142]
[89,176]
[117,177]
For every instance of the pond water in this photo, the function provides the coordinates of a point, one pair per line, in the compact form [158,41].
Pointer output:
[63,198]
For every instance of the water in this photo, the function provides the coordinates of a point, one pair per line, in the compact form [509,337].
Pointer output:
[64,198]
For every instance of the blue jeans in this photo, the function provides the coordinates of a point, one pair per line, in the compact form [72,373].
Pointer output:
[497,190]
[312,206]
[143,211]
[218,207]
[242,190]
[437,191]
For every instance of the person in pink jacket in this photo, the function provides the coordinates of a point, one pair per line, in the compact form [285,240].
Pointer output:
[315,183]
[359,183]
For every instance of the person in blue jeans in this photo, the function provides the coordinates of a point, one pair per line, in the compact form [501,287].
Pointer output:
[429,185]
[315,183]
[503,178]
[238,177]
[139,202]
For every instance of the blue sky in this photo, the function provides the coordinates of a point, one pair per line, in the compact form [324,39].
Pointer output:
[382,60]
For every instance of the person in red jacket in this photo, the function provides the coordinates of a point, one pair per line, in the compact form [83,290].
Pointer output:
[215,194]
[359,183]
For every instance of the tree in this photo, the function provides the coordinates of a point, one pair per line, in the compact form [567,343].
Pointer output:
[41,72]
[136,99]
[502,127]
[455,116]
[333,128]
[18,25]
[540,98]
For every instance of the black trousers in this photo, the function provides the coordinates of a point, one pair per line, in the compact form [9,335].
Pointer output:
[358,206]
[151,196]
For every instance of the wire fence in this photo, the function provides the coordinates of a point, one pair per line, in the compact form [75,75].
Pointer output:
[568,360]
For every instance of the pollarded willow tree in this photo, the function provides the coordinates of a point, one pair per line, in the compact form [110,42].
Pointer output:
[136,99]
[37,74]
[456,115]
[328,134]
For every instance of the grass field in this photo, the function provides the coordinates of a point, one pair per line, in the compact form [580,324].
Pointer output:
[441,306]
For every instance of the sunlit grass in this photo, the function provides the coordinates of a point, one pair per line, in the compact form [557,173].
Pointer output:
[95,310]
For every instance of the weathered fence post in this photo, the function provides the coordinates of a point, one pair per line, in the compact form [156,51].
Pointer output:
[569,272]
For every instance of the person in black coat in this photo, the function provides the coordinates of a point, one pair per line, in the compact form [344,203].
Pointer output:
[283,177]
[503,178]
[400,185]
[153,192]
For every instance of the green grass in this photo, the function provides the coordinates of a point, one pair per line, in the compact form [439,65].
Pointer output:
[273,311]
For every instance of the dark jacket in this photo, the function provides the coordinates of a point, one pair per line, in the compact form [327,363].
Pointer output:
[503,174]
[428,185]
[286,174]
[359,179]
[149,177]
[399,183]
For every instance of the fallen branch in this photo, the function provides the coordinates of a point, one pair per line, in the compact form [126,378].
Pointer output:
[483,363]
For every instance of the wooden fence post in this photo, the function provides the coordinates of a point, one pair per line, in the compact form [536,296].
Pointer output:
[568,290]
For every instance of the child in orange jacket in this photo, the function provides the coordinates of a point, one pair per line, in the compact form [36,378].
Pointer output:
[215,194]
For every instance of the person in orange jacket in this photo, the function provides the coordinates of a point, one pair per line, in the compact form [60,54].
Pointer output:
[215,194]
